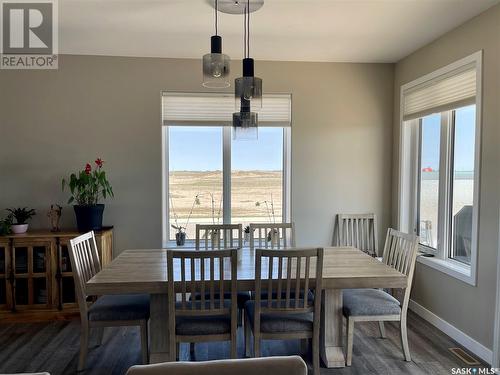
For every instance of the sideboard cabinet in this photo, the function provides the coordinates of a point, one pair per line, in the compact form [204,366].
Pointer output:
[36,280]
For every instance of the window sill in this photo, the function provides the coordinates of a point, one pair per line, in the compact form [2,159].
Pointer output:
[450,267]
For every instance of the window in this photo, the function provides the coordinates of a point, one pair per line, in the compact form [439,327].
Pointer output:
[439,165]
[214,179]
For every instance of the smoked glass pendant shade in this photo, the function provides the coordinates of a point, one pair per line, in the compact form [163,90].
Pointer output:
[245,126]
[216,66]
[248,87]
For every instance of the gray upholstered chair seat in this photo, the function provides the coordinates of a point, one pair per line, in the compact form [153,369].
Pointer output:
[369,302]
[202,325]
[242,297]
[280,323]
[120,307]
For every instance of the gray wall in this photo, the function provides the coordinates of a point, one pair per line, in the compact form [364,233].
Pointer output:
[469,308]
[52,122]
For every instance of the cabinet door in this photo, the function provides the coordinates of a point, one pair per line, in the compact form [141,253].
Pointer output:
[65,284]
[31,266]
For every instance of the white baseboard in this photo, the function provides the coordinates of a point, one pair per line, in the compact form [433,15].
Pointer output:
[466,341]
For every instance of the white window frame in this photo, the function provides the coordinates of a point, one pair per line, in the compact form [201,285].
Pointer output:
[409,173]
[226,180]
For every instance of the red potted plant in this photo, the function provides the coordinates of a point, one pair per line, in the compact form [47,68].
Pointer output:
[87,187]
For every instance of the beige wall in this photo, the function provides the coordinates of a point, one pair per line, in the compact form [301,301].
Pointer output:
[52,122]
[469,308]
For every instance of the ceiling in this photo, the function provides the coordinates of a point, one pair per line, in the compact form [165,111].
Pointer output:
[296,30]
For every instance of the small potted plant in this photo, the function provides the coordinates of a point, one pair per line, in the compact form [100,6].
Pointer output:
[272,235]
[6,225]
[87,187]
[180,235]
[22,215]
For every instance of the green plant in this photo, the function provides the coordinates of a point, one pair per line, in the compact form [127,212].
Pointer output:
[22,215]
[88,186]
[5,225]
[178,227]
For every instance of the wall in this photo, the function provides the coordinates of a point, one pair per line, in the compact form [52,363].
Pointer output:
[52,122]
[468,308]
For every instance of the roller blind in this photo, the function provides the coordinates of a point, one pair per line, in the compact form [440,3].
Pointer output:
[450,90]
[217,109]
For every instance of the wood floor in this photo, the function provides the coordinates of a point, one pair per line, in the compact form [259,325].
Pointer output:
[54,347]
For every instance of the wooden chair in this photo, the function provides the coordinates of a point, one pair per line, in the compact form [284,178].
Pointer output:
[359,231]
[105,311]
[212,319]
[219,236]
[272,236]
[291,365]
[290,273]
[400,253]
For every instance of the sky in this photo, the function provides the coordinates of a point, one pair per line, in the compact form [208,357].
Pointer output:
[199,148]
[465,119]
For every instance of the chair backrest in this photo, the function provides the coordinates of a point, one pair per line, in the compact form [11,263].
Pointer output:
[219,236]
[214,271]
[287,275]
[359,231]
[400,253]
[85,264]
[292,365]
[272,236]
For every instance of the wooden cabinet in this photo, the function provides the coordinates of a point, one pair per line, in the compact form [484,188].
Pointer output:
[36,280]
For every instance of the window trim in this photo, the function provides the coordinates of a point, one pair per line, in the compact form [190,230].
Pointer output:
[408,196]
[226,180]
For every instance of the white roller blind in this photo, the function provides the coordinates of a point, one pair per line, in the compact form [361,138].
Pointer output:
[447,91]
[217,109]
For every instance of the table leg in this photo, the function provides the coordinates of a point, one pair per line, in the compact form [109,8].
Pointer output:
[332,351]
[158,329]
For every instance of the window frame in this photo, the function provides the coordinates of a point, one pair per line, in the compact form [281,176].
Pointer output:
[409,179]
[226,179]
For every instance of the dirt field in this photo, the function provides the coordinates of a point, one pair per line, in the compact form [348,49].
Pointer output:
[247,188]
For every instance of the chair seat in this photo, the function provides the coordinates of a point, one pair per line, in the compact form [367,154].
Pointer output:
[120,307]
[280,323]
[202,325]
[369,302]
[242,297]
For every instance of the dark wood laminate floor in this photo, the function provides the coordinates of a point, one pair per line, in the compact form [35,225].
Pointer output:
[54,347]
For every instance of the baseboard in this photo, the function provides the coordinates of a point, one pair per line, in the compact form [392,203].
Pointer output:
[466,341]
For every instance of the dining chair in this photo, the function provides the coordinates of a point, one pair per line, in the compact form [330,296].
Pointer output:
[361,305]
[220,237]
[107,310]
[359,231]
[272,236]
[290,365]
[289,315]
[207,319]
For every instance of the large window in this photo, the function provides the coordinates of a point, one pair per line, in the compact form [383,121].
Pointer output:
[211,178]
[440,168]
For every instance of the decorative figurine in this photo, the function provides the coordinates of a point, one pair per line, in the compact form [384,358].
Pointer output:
[55,215]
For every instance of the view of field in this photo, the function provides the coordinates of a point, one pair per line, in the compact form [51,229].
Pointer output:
[247,188]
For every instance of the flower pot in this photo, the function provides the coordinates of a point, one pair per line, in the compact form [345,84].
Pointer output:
[19,228]
[180,238]
[89,217]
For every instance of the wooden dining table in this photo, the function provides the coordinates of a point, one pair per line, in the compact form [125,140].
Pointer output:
[145,271]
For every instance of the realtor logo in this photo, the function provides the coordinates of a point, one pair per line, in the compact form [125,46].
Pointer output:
[28,34]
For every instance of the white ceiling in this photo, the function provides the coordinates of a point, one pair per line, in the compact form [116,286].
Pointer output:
[298,30]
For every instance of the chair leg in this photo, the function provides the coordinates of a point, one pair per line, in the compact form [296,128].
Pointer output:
[173,349]
[178,351]
[256,345]
[144,342]
[99,333]
[191,351]
[248,333]
[382,329]
[315,356]
[404,338]
[84,342]
[350,338]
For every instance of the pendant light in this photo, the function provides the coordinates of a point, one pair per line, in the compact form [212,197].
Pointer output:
[215,63]
[247,91]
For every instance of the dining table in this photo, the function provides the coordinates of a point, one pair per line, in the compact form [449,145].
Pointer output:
[144,271]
